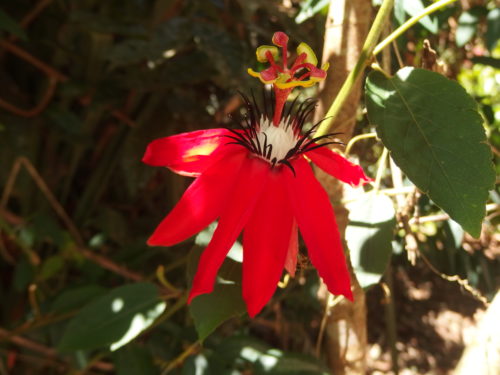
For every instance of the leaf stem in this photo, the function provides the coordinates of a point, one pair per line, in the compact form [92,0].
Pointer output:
[366,54]
[412,21]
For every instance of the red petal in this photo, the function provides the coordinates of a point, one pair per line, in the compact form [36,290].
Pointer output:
[317,224]
[265,244]
[338,166]
[293,250]
[187,153]
[251,181]
[202,202]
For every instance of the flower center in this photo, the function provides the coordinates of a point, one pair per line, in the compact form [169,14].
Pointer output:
[276,141]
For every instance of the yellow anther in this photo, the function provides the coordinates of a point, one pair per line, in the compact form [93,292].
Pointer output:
[311,56]
[261,53]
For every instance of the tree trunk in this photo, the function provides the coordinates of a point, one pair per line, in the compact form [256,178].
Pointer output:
[482,354]
[346,29]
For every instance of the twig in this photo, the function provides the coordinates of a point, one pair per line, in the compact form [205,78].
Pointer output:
[443,217]
[457,279]
[14,356]
[181,358]
[119,115]
[10,217]
[405,207]
[96,258]
[47,69]
[40,183]
[33,300]
[37,9]
[38,108]
[53,78]
[46,351]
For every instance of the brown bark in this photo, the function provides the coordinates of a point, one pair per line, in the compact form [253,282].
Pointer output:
[347,25]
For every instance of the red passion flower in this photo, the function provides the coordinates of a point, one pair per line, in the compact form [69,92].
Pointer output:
[257,180]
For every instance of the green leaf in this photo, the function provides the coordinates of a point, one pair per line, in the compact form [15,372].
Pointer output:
[309,8]
[51,267]
[412,8]
[211,310]
[493,30]
[74,298]
[196,365]
[114,319]
[134,360]
[8,24]
[264,359]
[467,25]
[369,236]
[435,135]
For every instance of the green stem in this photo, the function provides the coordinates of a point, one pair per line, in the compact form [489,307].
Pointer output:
[380,170]
[358,138]
[412,21]
[366,53]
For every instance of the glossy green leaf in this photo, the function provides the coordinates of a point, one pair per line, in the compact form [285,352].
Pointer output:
[435,135]
[369,236]
[211,310]
[114,319]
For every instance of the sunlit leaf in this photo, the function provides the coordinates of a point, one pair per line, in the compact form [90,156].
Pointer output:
[265,360]
[114,319]
[435,135]
[413,8]
[196,365]
[467,25]
[369,236]
[493,30]
[309,8]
